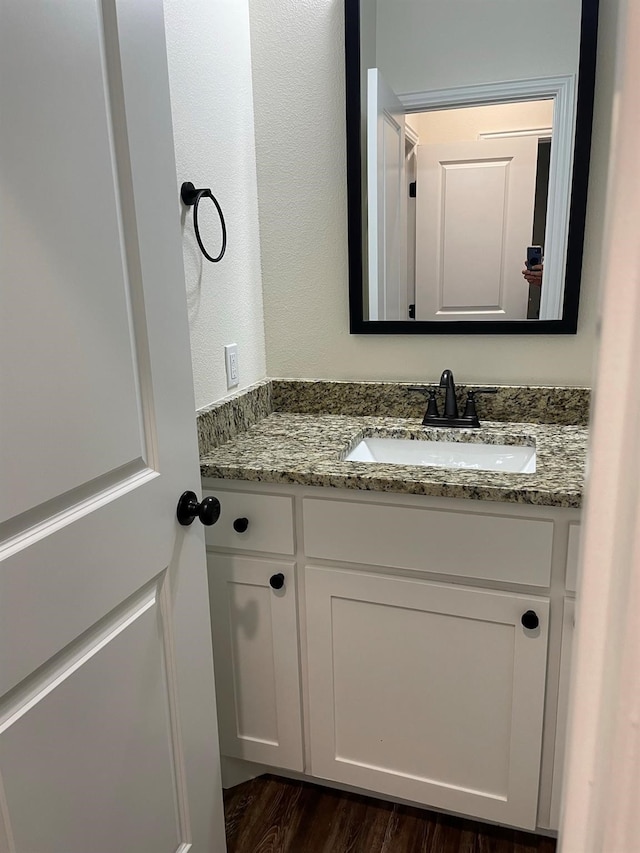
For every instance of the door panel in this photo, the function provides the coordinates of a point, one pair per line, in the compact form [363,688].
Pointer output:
[427,692]
[483,226]
[97,442]
[474,223]
[63,250]
[72,732]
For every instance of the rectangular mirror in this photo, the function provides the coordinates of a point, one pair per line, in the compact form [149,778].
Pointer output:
[468,138]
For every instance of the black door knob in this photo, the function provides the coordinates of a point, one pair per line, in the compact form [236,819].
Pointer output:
[277,581]
[240,525]
[207,510]
[530,620]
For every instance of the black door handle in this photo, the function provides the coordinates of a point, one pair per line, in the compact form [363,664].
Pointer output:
[189,508]
[240,525]
[530,620]
[277,581]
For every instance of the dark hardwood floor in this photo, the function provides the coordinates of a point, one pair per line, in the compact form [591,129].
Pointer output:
[274,815]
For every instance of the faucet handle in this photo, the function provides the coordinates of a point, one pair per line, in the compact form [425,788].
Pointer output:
[470,407]
[432,405]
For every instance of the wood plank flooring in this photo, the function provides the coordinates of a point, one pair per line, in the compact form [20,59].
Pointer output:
[274,815]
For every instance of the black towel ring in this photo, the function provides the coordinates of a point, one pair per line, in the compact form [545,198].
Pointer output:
[191,197]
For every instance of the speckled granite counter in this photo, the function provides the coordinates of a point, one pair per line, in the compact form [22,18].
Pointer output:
[534,404]
[308,449]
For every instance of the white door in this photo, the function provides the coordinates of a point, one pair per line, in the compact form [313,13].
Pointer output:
[474,222]
[427,692]
[108,734]
[387,202]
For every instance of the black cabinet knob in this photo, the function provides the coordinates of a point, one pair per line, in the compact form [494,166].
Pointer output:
[530,620]
[189,508]
[277,581]
[240,525]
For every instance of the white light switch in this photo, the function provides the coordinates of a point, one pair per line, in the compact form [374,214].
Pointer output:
[231,364]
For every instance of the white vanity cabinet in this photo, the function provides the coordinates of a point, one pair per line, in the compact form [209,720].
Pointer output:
[255,631]
[396,659]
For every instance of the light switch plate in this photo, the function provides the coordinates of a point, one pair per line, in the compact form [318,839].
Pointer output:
[231,364]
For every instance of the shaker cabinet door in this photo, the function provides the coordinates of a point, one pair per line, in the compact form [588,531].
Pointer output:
[427,692]
[255,648]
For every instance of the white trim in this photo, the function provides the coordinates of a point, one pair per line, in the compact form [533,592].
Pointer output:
[536,88]
[602,779]
[540,132]
[563,92]
[411,135]
[560,176]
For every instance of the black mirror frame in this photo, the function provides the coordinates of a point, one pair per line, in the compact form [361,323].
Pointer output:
[568,325]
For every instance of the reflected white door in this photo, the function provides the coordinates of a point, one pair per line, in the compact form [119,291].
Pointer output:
[387,202]
[474,222]
[107,713]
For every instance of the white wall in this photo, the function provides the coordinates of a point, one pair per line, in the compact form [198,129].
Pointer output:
[368,37]
[209,52]
[435,44]
[298,68]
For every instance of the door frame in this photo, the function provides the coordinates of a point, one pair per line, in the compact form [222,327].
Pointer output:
[602,778]
[378,243]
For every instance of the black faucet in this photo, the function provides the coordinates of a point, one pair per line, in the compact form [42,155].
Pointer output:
[450,402]
[451,417]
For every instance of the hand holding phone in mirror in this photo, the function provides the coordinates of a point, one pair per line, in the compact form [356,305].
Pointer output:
[534,265]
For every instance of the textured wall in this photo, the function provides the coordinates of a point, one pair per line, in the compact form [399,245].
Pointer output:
[300,130]
[209,53]
[434,44]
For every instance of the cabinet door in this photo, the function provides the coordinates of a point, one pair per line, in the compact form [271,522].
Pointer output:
[255,648]
[427,692]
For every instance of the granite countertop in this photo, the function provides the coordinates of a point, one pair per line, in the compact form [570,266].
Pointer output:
[309,449]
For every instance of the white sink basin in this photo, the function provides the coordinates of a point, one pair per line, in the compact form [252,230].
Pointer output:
[513,459]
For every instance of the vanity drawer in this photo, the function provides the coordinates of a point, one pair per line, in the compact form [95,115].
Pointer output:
[473,545]
[269,523]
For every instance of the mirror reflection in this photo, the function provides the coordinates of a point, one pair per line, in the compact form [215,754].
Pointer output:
[460,201]
[470,140]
